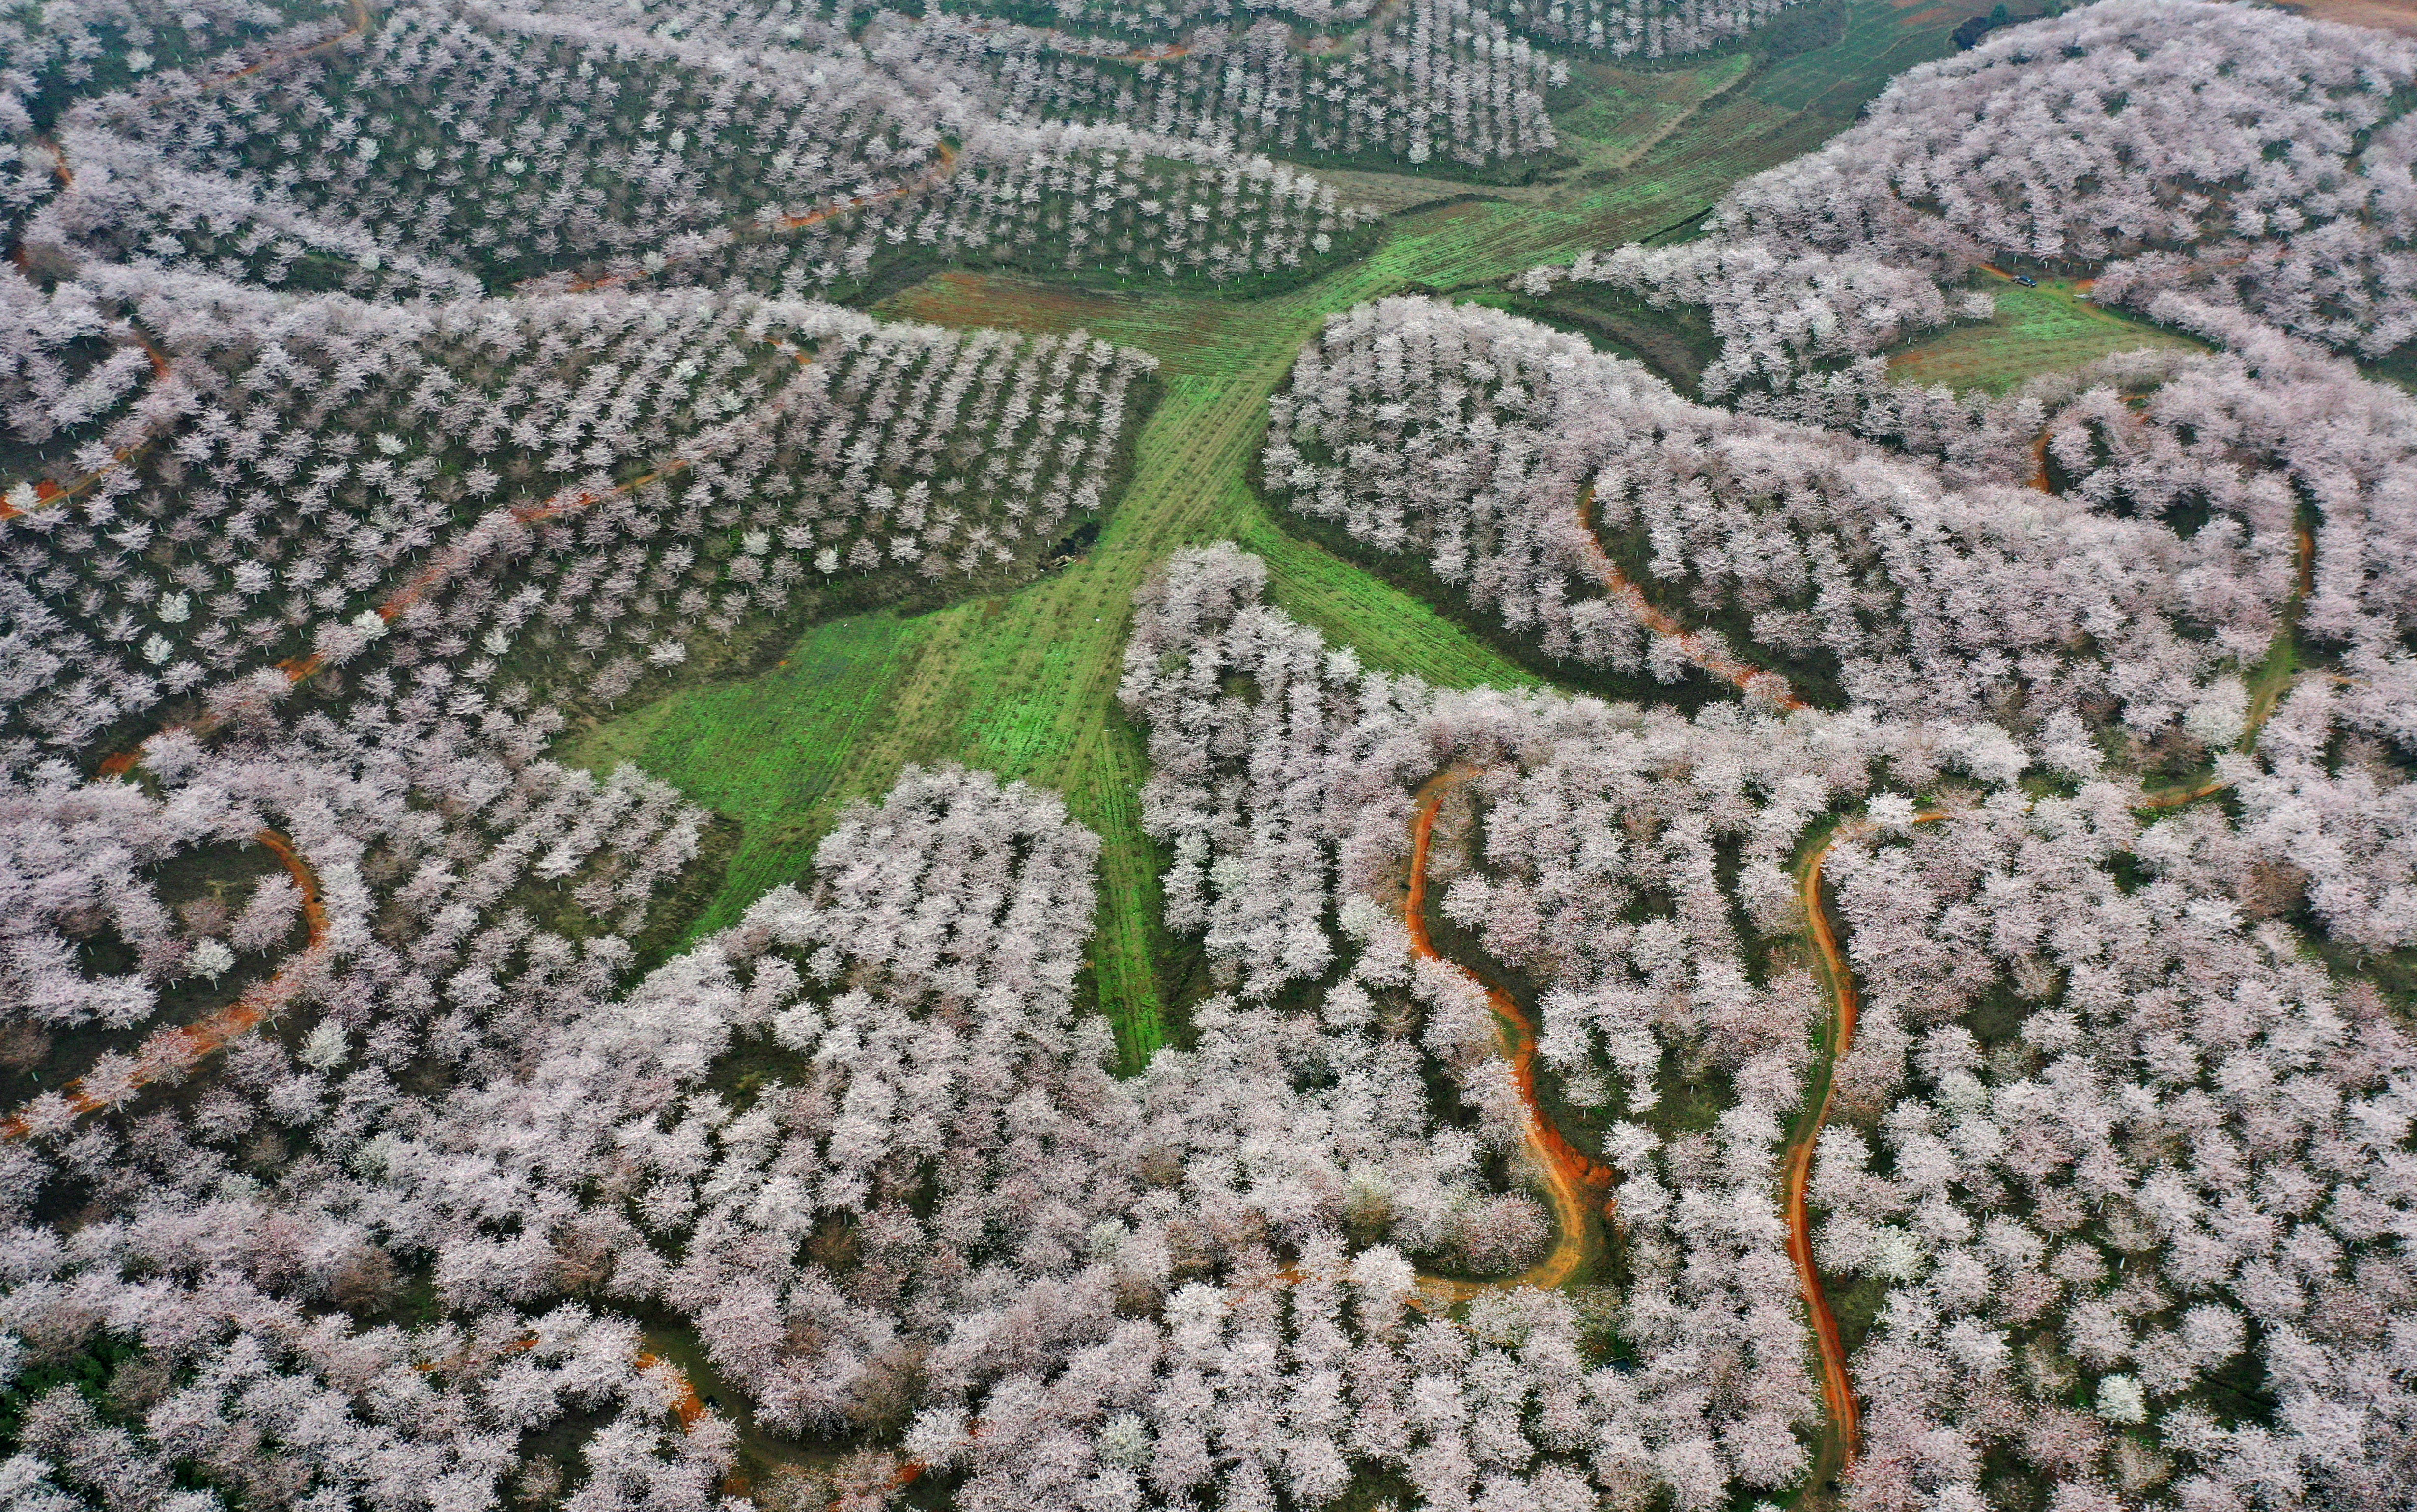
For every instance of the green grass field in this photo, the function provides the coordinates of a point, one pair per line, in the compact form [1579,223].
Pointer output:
[2039,330]
[1025,685]
[1391,631]
[764,750]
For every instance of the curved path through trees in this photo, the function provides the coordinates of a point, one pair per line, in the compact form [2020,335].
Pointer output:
[1842,1426]
[1576,1185]
[473,545]
[1741,674]
[945,162]
[1841,1433]
[1322,45]
[46,492]
[170,1055]
[358,24]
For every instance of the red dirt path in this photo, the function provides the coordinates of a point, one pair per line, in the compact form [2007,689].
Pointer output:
[1574,1181]
[433,576]
[1837,1391]
[174,1052]
[1743,675]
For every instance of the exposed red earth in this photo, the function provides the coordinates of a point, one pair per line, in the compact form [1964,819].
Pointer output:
[172,1053]
[437,573]
[1744,675]
[1576,1185]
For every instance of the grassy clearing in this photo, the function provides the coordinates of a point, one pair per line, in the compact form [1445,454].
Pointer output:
[1884,37]
[1024,684]
[1676,343]
[2045,329]
[763,750]
[1390,630]
[1621,112]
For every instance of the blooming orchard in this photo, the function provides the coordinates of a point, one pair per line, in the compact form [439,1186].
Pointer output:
[1934,1015]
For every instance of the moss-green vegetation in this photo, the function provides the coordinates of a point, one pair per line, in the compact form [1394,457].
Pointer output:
[1609,114]
[1390,630]
[764,750]
[88,1368]
[2039,330]
[1675,343]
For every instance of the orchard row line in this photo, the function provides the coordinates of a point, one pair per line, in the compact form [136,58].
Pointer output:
[442,570]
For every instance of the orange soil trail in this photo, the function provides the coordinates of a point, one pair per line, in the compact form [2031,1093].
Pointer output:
[300,669]
[437,572]
[427,580]
[691,1411]
[2177,796]
[684,1398]
[47,492]
[1837,1390]
[1338,45]
[1352,40]
[1844,1439]
[470,1354]
[1167,53]
[171,1053]
[1164,53]
[359,24]
[1744,675]
[1573,1180]
[944,164]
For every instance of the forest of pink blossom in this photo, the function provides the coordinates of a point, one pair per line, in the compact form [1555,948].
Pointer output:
[1913,854]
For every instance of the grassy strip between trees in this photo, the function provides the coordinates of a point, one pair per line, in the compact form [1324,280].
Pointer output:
[2046,330]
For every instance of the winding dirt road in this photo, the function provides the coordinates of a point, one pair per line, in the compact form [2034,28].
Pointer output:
[46,492]
[945,163]
[437,574]
[1841,1433]
[1743,675]
[1336,45]
[1842,1436]
[1576,1185]
[1842,1430]
[172,1053]
[358,25]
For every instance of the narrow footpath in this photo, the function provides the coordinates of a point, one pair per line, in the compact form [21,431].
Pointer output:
[171,1054]
[463,553]
[1741,674]
[1577,1186]
[1842,1426]
[1842,1434]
